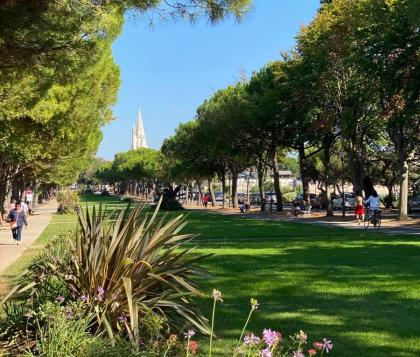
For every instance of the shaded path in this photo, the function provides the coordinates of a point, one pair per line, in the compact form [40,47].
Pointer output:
[9,251]
[349,223]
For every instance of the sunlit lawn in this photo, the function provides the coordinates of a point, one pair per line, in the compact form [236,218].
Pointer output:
[360,289]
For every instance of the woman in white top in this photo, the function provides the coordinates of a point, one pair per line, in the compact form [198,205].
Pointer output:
[374,201]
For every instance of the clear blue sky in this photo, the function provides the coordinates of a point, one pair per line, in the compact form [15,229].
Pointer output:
[170,69]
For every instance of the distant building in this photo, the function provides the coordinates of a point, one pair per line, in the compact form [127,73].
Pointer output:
[139,135]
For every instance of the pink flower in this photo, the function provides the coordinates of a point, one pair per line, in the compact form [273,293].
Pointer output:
[311,352]
[101,293]
[298,354]
[251,339]
[318,345]
[60,298]
[271,337]
[265,353]
[193,347]
[189,334]
[327,345]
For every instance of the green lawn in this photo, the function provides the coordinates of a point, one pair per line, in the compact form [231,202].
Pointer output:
[360,289]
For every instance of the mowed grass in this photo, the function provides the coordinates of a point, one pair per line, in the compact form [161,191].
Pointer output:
[359,288]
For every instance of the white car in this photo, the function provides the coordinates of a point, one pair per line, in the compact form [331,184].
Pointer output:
[349,201]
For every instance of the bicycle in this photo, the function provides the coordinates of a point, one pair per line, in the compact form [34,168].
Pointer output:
[375,218]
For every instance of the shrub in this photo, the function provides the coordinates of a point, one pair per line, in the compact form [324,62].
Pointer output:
[68,202]
[125,270]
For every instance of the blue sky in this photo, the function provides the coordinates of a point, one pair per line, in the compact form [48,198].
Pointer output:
[170,69]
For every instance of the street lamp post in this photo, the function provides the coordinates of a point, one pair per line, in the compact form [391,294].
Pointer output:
[343,204]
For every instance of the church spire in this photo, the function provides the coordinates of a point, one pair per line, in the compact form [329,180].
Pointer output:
[139,135]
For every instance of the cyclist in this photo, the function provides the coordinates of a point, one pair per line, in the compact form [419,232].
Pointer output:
[374,202]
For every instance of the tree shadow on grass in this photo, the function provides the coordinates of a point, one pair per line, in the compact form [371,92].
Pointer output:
[361,293]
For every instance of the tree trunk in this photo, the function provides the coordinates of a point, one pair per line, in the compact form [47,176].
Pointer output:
[187,193]
[390,188]
[212,195]
[3,195]
[327,165]
[35,197]
[223,189]
[15,188]
[260,173]
[200,194]
[276,176]
[403,164]
[303,173]
[234,188]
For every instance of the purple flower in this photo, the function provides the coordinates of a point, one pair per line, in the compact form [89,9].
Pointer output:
[69,313]
[251,339]
[122,319]
[271,337]
[101,293]
[298,354]
[189,334]
[265,353]
[327,345]
[83,298]
[60,299]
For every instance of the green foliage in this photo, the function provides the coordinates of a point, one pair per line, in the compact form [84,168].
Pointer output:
[68,201]
[126,266]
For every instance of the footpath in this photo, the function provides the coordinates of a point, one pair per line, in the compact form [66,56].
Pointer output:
[9,251]
[390,224]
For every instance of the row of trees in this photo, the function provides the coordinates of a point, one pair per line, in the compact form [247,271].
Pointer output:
[58,81]
[346,100]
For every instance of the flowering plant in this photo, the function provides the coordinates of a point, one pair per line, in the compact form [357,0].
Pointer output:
[271,343]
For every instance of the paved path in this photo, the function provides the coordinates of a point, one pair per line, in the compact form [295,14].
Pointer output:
[349,224]
[9,251]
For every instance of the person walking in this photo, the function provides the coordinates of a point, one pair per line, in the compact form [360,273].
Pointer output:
[205,200]
[24,207]
[360,208]
[17,218]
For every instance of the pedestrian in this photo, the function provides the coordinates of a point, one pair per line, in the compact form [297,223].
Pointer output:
[17,218]
[205,200]
[12,205]
[360,208]
[24,207]
[29,198]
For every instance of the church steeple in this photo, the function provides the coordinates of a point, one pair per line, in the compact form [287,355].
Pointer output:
[139,136]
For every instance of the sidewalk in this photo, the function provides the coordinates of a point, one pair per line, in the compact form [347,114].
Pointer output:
[9,251]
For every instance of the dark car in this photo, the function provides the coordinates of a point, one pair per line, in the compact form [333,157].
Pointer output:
[316,201]
[414,203]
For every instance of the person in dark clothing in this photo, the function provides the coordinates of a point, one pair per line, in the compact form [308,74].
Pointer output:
[17,218]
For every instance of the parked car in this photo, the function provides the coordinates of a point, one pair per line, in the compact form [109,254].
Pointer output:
[270,197]
[316,201]
[241,197]
[414,203]
[349,201]
[255,198]
[218,196]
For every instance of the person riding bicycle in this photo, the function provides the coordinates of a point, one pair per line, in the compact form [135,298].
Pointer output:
[374,202]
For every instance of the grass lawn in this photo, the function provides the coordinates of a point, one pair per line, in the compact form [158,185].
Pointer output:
[360,289]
